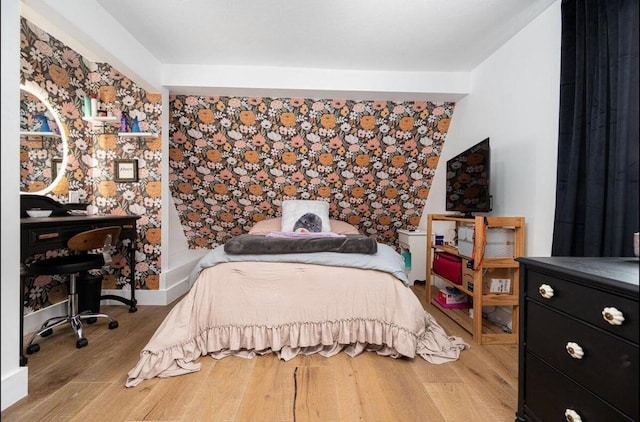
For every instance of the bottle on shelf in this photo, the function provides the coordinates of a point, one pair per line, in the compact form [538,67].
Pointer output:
[124,125]
[135,127]
[94,106]
[87,106]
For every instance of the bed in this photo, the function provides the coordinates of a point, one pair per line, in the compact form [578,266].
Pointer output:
[295,303]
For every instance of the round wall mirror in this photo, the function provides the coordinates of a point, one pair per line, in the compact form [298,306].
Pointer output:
[43,142]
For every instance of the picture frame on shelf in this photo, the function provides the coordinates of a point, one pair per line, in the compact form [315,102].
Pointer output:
[126,170]
[56,167]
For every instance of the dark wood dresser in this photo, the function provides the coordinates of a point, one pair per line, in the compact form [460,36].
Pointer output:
[578,345]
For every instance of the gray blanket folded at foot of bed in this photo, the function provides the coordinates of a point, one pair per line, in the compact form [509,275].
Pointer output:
[251,244]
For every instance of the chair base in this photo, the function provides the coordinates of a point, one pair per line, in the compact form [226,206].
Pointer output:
[73,317]
[76,323]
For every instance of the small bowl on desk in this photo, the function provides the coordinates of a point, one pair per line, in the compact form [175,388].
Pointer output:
[39,213]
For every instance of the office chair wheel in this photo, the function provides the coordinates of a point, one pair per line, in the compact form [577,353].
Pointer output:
[113,325]
[82,342]
[33,348]
[91,320]
[46,333]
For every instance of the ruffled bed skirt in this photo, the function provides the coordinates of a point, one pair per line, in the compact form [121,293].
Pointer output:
[327,338]
[388,320]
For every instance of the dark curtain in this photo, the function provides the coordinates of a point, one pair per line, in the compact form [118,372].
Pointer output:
[597,181]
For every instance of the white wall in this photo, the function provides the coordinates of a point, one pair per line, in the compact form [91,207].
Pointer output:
[14,377]
[514,100]
[268,81]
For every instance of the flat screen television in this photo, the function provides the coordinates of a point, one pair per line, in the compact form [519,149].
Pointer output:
[467,182]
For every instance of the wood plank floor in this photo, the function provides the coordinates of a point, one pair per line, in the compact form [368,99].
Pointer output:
[69,384]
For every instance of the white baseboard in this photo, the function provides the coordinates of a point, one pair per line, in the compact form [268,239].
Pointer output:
[34,320]
[177,280]
[150,297]
[14,386]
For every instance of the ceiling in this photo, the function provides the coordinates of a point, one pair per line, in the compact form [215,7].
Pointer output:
[371,35]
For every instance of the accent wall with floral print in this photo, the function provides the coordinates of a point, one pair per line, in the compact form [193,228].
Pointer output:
[234,160]
[67,77]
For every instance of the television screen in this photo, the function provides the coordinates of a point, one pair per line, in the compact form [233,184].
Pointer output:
[467,182]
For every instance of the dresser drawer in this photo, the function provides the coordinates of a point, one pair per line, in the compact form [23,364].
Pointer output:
[549,394]
[609,365]
[43,239]
[585,303]
[56,237]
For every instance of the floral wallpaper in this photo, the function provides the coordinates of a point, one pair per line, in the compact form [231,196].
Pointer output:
[67,77]
[234,160]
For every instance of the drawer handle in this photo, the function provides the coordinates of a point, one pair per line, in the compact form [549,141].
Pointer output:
[545,291]
[572,416]
[574,350]
[48,236]
[613,316]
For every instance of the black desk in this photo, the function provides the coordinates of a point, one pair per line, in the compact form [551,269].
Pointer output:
[38,235]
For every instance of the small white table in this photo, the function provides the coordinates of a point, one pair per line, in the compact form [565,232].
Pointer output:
[414,245]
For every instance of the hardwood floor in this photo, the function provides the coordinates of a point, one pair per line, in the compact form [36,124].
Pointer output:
[69,384]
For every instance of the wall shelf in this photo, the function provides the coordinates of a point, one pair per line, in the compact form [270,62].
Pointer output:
[100,123]
[136,134]
[101,119]
[42,134]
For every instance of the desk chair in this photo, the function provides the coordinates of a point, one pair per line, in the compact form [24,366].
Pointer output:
[75,264]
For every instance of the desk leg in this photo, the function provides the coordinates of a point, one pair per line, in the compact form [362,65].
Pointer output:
[23,358]
[132,276]
[132,302]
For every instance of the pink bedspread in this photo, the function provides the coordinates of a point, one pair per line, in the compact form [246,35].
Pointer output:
[249,308]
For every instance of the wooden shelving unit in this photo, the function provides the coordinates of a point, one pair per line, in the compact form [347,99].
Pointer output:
[483,330]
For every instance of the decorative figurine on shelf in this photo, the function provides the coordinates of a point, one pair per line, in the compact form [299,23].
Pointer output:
[135,128]
[44,123]
[124,126]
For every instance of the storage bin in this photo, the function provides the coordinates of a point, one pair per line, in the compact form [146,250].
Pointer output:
[499,242]
[465,240]
[442,303]
[448,266]
[452,295]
